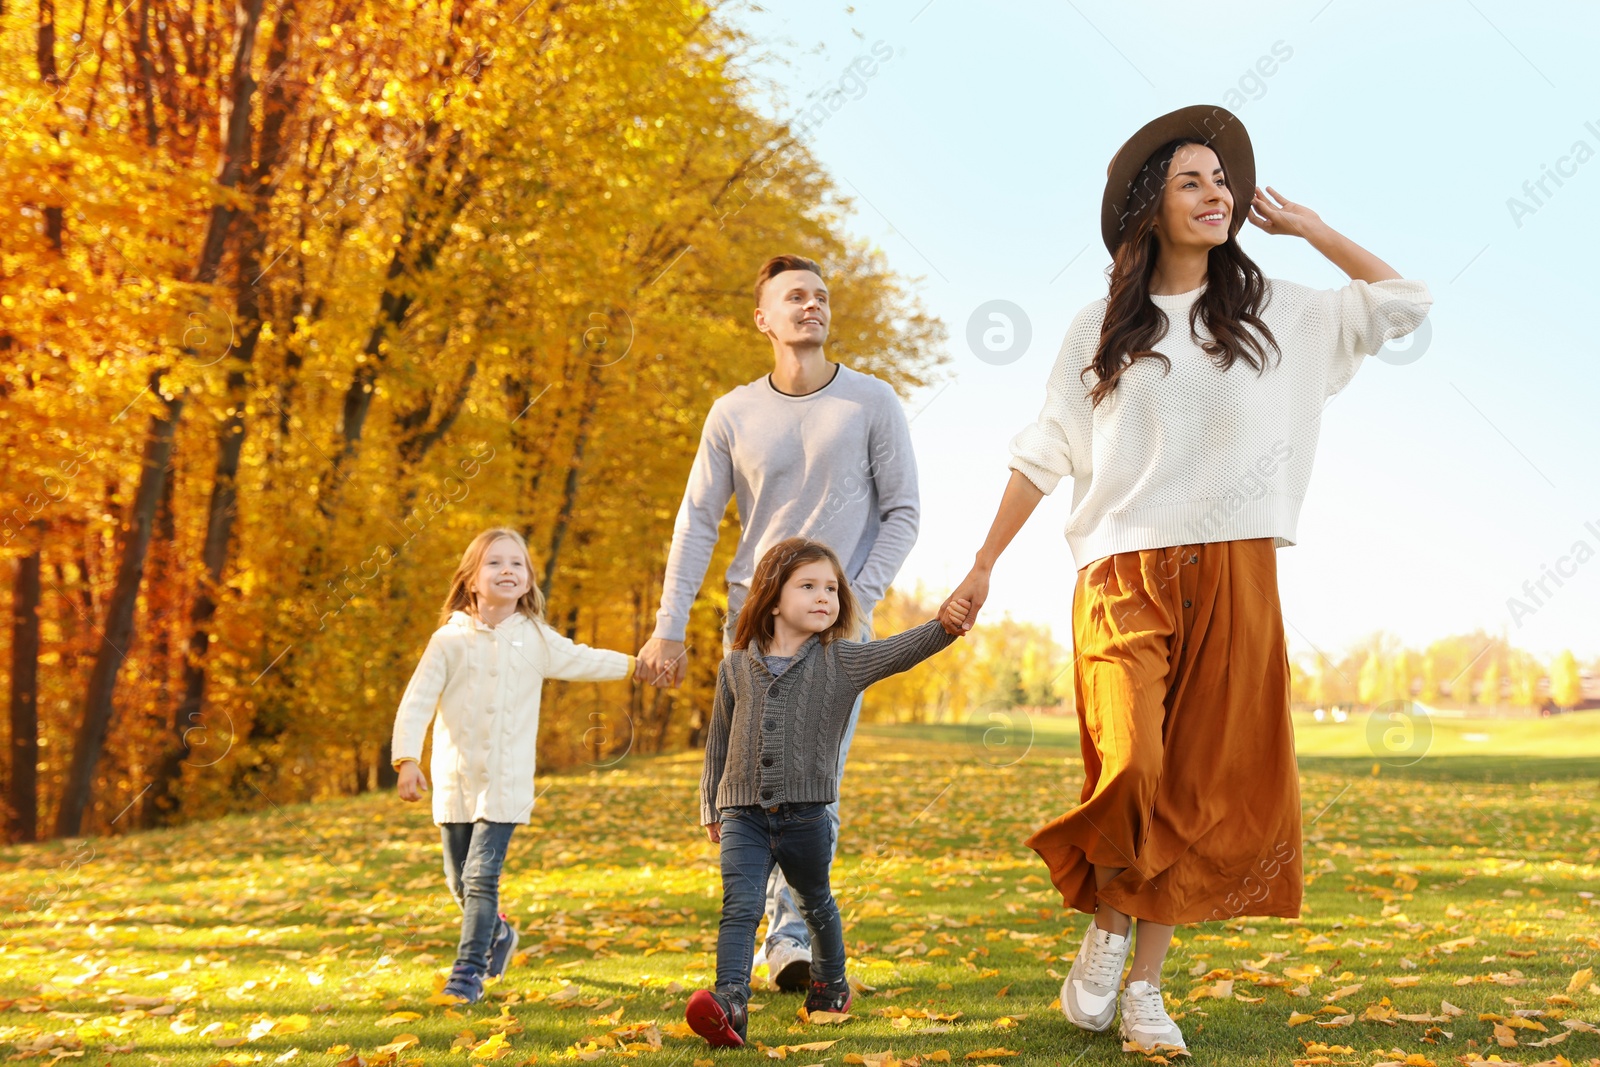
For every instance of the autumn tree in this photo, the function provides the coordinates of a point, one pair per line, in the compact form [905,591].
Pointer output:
[1566,683]
[309,293]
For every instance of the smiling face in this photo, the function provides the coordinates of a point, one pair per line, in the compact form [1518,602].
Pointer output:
[809,601]
[1197,205]
[504,574]
[794,309]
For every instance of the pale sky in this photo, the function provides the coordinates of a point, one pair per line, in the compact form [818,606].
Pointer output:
[976,156]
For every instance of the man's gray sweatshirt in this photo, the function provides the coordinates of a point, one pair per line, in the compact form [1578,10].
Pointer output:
[834,465]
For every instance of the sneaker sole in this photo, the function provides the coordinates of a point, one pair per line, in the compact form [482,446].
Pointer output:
[1082,1024]
[706,1018]
[795,977]
[1159,1046]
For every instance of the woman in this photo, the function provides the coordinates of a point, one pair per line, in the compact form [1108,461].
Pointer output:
[1186,406]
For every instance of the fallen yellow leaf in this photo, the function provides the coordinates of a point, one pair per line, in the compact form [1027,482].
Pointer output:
[1553,1039]
[1221,991]
[400,1043]
[491,1049]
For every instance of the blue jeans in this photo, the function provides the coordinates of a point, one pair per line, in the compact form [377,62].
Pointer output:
[783,917]
[798,840]
[474,852]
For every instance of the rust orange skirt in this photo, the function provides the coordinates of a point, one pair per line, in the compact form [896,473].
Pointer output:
[1182,685]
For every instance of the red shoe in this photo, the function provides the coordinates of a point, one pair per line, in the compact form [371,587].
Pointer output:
[717,1019]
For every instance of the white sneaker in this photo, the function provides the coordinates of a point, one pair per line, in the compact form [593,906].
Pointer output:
[1145,1018]
[789,964]
[1089,993]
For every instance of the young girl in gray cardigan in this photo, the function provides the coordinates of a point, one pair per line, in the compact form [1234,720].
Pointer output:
[784,697]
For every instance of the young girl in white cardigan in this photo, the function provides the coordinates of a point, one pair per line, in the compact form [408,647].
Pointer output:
[478,683]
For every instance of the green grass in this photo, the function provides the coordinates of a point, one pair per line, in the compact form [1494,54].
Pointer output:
[337,913]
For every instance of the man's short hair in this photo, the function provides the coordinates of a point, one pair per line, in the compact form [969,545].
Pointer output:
[778,264]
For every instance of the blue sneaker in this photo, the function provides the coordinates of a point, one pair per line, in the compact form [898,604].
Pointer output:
[502,947]
[464,982]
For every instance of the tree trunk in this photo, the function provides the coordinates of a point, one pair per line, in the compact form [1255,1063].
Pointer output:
[569,490]
[23,787]
[162,601]
[24,784]
[118,632]
[230,445]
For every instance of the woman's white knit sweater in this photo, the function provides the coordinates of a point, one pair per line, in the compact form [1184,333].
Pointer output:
[1200,454]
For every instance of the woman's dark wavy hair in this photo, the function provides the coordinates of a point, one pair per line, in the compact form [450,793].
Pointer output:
[1235,291]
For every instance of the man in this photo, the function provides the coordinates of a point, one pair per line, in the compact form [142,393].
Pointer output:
[813,449]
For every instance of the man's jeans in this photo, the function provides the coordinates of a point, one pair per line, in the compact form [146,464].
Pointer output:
[474,852]
[798,840]
[783,917]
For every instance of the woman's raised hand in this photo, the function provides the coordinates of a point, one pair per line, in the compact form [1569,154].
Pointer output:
[1296,220]
[960,609]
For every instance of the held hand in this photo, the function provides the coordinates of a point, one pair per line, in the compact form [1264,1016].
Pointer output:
[662,663]
[1296,220]
[955,614]
[972,592]
[714,832]
[412,782]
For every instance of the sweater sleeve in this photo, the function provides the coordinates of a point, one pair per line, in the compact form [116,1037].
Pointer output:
[1041,451]
[420,701]
[1363,315]
[893,470]
[717,734]
[568,661]
[694,533]
[866,662]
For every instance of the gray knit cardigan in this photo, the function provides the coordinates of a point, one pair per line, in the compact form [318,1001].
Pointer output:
[776,740]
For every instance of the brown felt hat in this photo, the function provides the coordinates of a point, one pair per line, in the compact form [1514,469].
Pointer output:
[1216,127]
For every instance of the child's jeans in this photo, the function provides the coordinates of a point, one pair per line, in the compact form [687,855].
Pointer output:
[784,921]
[474,852]
[798,839]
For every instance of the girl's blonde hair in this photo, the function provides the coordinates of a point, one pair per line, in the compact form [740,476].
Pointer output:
[766,589]
[462,598]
